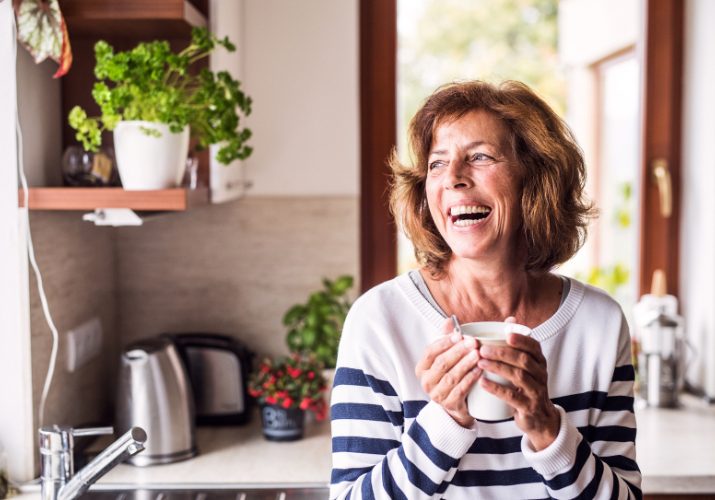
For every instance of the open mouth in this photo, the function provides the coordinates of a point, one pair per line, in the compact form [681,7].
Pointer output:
[468,215]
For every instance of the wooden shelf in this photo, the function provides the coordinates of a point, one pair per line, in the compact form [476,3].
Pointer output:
[78,198]
[137,19]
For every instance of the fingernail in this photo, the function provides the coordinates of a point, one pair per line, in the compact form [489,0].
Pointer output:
[483,363]
[472,355]
[486,350]
[470,343]
[455,337]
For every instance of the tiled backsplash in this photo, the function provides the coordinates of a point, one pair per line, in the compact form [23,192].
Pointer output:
[233,268]
[78,262]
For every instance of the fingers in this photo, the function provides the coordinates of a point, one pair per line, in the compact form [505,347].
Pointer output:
[520,359]
[509,395]
[521,380]
[453,386]
[439,346]
[520,362]
[446,361]
[526,343]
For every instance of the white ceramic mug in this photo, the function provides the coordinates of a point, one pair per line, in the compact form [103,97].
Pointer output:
[481,404]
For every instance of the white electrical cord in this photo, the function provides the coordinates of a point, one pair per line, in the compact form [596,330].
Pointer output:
[31,249]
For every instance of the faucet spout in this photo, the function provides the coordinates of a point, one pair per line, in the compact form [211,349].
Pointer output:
[57,464]
[130,443]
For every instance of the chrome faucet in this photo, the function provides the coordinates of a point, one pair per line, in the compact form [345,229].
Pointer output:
[59,482]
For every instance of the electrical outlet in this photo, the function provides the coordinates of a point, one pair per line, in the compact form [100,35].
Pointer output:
[84,342]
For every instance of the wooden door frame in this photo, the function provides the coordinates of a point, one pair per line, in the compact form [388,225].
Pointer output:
[378,133]
[662,117]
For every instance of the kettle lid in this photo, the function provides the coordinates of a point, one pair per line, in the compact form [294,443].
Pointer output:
[143,348]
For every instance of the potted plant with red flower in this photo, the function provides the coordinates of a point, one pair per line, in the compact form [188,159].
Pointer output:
[285,389]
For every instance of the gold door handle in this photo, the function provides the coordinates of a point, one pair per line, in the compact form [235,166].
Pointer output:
[661,174]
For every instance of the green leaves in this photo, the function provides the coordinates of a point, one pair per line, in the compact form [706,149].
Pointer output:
[315,327]
[88,129]
[151,83]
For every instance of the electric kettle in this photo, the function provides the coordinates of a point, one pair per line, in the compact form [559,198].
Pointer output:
[154,393]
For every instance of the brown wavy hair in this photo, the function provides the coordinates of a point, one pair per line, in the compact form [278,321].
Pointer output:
[555,211]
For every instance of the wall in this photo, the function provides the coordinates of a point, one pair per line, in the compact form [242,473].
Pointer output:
[237,267]
[77,261]
[16,429]
[697,244]
[301,69]
[233,268]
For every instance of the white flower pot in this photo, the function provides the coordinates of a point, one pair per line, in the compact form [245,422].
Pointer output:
[147,161]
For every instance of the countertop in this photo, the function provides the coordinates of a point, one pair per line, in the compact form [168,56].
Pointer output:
[676,447]
[241,455]
[675,452]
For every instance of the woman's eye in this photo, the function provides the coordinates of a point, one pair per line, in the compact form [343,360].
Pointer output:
[482,158]
[435,164]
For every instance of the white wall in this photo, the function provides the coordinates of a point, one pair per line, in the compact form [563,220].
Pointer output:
[301,68]
[697,244]
[16,423]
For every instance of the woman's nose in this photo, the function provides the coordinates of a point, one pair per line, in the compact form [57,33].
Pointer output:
[456,177]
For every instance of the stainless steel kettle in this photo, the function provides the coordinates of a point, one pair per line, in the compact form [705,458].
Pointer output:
[154,393]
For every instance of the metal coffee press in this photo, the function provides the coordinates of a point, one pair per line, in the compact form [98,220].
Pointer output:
[661,356]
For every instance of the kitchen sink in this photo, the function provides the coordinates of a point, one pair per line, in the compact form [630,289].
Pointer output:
[207,493]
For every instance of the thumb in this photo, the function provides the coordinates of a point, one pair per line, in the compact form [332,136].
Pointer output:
[510,319]
[447,326]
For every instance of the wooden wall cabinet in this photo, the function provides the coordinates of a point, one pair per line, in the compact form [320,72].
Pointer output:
[123,24]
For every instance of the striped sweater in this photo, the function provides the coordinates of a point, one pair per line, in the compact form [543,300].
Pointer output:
[390,441]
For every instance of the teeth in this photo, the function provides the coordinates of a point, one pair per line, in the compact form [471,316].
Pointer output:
[466,222]
[464,209]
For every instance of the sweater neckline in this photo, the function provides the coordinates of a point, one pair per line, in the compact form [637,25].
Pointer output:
[542,332]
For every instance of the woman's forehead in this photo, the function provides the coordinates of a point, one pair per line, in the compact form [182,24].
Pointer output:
[473,127]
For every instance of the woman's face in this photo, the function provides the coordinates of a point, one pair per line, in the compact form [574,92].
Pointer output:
[473,187]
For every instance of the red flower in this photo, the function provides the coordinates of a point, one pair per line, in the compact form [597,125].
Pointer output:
[321,410]
[292,382]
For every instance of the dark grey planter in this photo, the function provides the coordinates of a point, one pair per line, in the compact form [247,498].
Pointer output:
[281,424]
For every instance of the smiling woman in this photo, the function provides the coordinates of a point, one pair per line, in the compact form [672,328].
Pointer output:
[492,201]
[517,128]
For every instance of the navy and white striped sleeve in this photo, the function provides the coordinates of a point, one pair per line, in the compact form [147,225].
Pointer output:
[374,458]
[599,460]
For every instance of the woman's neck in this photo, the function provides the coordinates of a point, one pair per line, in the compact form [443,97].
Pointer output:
[478,292]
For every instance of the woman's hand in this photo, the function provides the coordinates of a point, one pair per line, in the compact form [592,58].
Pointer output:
[448,370]
[522,363]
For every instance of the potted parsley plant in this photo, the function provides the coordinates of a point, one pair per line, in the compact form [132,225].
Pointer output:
[152,101]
